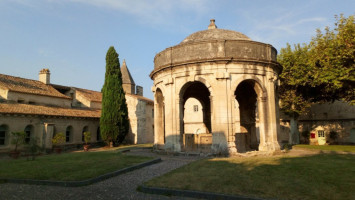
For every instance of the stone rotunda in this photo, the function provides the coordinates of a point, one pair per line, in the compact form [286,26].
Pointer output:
[216,92]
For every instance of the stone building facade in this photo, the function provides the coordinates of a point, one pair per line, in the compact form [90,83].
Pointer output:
[234,80]
[326,123]
[42,109]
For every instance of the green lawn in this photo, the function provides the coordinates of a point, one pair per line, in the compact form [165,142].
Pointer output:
[68,166]
[346,148]
[321,176]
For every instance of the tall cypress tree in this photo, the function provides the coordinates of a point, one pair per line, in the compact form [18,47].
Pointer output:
[114,122]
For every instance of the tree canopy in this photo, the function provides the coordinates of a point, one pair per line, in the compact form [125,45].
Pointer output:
[114,122]
[320,71]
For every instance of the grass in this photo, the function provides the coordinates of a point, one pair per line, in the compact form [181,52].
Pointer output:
[345,148]
[321,176]
[68,166]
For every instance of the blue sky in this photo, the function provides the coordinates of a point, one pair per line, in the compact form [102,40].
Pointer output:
[71,37]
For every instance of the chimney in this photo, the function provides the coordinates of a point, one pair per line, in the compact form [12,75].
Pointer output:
[139,90]
[44,76]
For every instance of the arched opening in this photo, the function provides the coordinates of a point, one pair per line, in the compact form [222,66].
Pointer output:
[193,117]
[160,116]
[195,127]
[85,129]
[68,134]
[28,133]
[247,135]
[3,134]
[98,134]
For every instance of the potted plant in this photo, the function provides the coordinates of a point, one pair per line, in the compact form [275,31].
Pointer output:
[57,140]
[87,138]
[18,138]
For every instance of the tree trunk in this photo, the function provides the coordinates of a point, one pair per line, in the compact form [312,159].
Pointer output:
[294,137]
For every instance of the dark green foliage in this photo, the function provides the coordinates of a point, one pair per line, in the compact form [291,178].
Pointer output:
[114,122]
[332,56]
[321,71]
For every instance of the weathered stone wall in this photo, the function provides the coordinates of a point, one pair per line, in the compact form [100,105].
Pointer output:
[19,123]
[3,94]
[141,123]
[338,117]
[231,50]
[221,79]
[38,99]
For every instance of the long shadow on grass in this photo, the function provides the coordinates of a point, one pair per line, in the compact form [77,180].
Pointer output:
[320,176]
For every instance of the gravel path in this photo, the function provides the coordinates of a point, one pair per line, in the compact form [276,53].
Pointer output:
[119,187]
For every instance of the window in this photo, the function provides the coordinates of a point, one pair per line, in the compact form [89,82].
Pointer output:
[321,133]
[68,133]
[152,113]
[3,130]
[31,102]
[28,133]
[20,101]
[195,108]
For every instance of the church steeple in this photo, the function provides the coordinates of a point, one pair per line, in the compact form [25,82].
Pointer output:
[127,80]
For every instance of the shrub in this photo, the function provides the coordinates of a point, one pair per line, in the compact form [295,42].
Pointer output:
[87,137]
[58,139]
[18,138]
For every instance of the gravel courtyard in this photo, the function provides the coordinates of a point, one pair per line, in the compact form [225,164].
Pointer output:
[119,187]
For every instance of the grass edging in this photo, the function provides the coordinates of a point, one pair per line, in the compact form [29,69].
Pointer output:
[81,183]
[192,194]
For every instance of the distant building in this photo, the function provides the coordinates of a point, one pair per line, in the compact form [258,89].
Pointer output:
[42,109]
[326,123]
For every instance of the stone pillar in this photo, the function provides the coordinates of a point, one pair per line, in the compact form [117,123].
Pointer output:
[48,135]
[263,123]
[221,114]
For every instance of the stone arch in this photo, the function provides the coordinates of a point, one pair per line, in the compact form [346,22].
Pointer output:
[259,87]
[29,133]
[180,88]
[159,117]
[4,134]
[199,91]
[250,114]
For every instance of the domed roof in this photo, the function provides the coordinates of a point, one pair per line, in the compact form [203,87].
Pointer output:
[213,33]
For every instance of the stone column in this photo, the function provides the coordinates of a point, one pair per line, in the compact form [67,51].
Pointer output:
[263,121]
[48,132]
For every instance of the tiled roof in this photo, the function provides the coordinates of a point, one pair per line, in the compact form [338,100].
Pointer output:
[17,84]
[90,94]
[141,98]
[14,108]
[97,96]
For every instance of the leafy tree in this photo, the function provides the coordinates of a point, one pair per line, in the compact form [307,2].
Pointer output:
[332,55]
[114,115]
[320,71]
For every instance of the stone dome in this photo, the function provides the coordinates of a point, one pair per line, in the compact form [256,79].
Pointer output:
[213,33]
[214,45]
